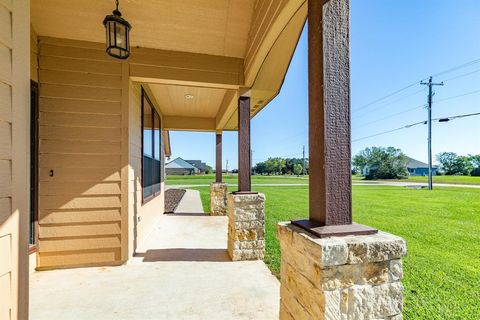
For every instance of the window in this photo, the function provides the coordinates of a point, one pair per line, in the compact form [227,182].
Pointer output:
[151,149]
[33,164]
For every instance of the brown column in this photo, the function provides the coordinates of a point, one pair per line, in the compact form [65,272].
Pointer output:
[330,190]
[218,159]
[244,170]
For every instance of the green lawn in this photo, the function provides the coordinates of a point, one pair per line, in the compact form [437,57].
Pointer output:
[442,229]
[258,180]
[232,179]
[436,179]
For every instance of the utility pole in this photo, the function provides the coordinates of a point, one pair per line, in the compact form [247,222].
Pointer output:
[303,168]
[252,170]
[430,85]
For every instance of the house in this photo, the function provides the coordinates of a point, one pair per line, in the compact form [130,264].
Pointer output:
[418,168]
[179,166]
[201,166]
[84,133]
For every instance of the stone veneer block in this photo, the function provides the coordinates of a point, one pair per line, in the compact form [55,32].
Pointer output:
[218,199]
[246,226]
[352,277]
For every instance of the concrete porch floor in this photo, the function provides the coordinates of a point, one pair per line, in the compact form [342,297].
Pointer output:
[181,271]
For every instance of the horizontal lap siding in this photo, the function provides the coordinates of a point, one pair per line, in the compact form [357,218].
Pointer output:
[80,192]
[7,225]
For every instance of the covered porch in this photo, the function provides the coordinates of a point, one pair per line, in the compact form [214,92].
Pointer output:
[98,139]
[181,271]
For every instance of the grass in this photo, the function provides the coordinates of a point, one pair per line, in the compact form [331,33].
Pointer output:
[231,179]
[436,179]
[442,229]
[258,180]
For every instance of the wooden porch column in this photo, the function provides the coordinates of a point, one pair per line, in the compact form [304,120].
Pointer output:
[244,164]
[218,158]
[330,191]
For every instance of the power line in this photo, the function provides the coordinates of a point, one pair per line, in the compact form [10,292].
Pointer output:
[393,115]
[461,66]
[390,103]
[386,96]
[419,107]
[462,75]
[445,119]
[457,117]
[458,96]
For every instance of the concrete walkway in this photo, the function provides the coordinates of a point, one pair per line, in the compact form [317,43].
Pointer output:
[181,271]
[191,202]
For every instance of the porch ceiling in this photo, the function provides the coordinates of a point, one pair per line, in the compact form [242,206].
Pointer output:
[200,26]
[186,101]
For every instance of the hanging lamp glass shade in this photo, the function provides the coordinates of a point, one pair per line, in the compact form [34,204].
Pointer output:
[117,29]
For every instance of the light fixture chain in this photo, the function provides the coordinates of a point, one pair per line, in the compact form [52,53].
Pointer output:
[116,1]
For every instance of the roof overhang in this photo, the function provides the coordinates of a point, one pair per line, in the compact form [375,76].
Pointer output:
[210,50]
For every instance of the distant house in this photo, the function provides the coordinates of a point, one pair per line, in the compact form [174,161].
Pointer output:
[201,166]
[418,168]
[180,167]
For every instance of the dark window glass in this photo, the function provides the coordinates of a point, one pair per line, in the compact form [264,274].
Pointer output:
[156,153]
[151,149]
[34,163]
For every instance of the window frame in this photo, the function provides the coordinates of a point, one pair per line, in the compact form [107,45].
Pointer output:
[34,163]
[159,145]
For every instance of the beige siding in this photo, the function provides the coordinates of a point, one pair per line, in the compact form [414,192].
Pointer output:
[14,106]
[142,216]
[80,206]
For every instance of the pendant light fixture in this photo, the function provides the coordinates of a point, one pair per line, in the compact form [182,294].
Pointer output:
[117,29]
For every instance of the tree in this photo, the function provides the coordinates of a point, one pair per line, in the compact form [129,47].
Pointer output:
[382,163]
[475,162]
[260,168]
[453,164]
[208,169]
[297,169]
[275,165]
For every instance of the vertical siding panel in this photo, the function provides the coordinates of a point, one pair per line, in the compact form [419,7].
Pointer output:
[8,307]
[20,93]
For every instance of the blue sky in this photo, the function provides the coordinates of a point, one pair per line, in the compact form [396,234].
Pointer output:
[394,44]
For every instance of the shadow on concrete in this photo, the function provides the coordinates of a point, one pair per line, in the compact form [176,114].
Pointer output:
[201,255]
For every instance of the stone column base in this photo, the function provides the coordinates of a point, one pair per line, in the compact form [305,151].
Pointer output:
[246,226]
[352,277]
[218,199]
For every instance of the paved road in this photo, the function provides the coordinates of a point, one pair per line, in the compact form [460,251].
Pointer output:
[412,184]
